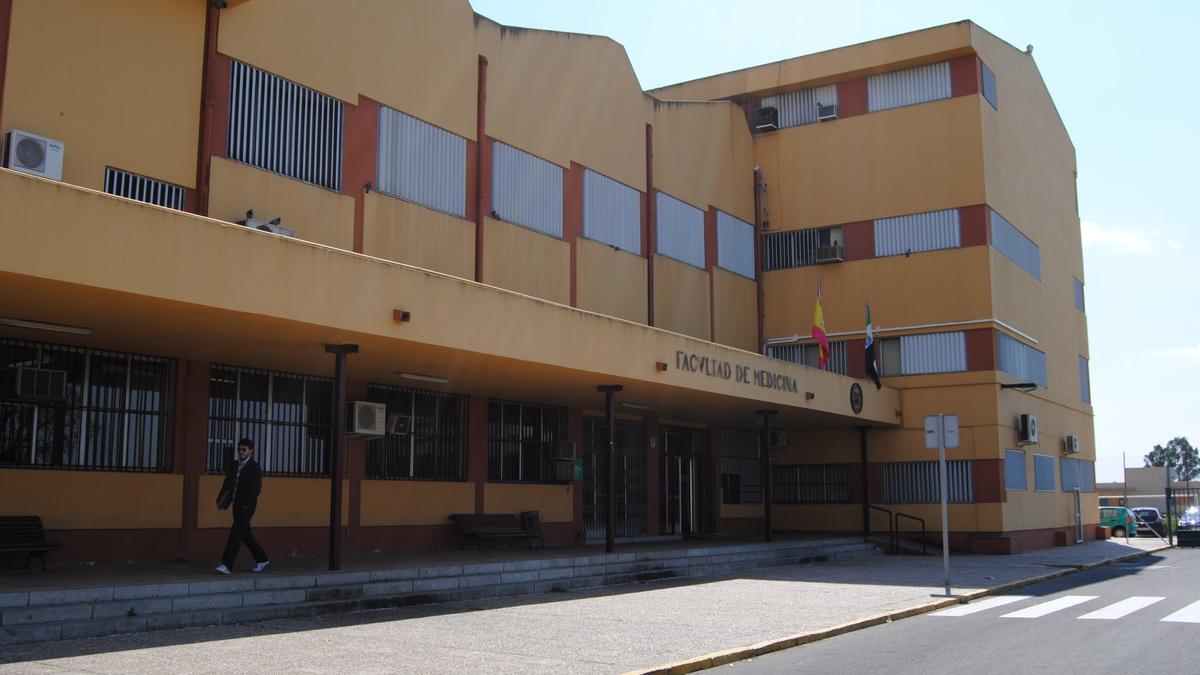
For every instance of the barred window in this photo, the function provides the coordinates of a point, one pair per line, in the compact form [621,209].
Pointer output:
[810,484]
[421,163]
[143,189]
[284,127]
[612,212]
[1021,360]
[810,355]
[917,232]
[918,482]
[287,415]
[522,438]
[527,190]
[908,87]
[115,415]
[435,446]
[735,245]
[802,107]
[802,248]
[680,230]
[741,467]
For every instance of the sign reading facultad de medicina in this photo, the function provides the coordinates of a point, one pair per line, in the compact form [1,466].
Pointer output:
[724,370]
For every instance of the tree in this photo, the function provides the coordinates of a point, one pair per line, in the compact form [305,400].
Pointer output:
[1177,454]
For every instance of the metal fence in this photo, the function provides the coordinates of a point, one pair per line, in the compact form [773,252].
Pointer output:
[741,467]
[810,484]
[629,478]
[522,439]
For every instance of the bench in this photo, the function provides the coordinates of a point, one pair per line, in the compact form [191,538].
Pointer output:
[24,534]
[499,526]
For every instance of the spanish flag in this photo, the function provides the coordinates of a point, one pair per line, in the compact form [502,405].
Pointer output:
[818,331]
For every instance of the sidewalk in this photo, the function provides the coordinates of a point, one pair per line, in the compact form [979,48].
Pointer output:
[616,629]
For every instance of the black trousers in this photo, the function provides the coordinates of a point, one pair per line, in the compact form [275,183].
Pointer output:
[240,534]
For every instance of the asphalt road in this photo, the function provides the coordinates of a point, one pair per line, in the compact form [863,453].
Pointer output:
[1136,617]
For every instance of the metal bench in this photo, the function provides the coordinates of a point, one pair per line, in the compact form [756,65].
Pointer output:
[498,526]
[24,534]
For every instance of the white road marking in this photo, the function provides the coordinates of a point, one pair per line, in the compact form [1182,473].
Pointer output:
[981,605]
[1122,608]
[1049,607]
[1189,614]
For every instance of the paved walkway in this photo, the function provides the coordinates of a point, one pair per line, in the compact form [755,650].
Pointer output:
[609,630]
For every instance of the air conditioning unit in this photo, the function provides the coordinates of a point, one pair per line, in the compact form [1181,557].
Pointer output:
[366,418]
[1027,429]
[33,384]
[1071,444]
[830,254]
[779,439]
[827,112]
[272,226]
[34,154]
[399,425]
[766,118]
[562,469]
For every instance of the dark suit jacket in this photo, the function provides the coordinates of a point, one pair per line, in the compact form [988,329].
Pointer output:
[249,484]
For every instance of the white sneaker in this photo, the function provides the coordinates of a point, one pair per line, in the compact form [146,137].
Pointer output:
[222,569]
[261,566]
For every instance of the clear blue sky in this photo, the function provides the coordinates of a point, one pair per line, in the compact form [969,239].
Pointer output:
[1124,78]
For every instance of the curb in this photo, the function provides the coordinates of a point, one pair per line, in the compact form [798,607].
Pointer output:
[728,656]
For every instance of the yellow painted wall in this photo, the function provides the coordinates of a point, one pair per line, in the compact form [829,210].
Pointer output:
[414,56]
[843,517]
[703,155]
[283,502]
[743,511]
[316,214]
[397,230]
[525,261]
[93,500]
[564,97]
[1031,510]
[734,301]
[681,298]
[553,502]
[117,82]
[395,502]
[891,163]
[811,517]
[610,282]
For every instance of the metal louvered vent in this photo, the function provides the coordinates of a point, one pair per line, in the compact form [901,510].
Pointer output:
[142,189]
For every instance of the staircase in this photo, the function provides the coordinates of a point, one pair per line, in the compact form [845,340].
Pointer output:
[63,614]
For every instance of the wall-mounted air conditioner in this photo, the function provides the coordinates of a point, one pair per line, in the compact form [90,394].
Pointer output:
[33,384]
[272,226]
[33,154]
[1027,429]
[830,254]
[779,439]
[399,425]
[827,112]
[1071,444]
[766,118]
[366,418]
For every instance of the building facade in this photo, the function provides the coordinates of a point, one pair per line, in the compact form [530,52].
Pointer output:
[197,203]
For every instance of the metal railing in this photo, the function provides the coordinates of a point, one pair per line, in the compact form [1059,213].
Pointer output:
[891,527]
[916,520]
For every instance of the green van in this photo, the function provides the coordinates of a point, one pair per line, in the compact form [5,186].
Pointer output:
[1119,520]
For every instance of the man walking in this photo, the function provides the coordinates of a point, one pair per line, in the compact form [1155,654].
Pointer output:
[242,484]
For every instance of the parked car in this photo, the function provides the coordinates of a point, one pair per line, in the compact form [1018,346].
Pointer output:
[1190,520]
[1149,522]
[1119,520]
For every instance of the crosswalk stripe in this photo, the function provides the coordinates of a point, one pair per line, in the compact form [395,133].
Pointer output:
[1189,614]
[1122,608]
[981,605]
[1049,607]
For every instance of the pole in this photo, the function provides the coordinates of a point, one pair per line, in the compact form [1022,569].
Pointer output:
[338,442]
[764,453]
[866,511]
[945,498]
[1125,503]
[610,467]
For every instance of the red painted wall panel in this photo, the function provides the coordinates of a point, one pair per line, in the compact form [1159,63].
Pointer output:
[981,349]
[965,75]
[859,240]
[852,97]
[974,223]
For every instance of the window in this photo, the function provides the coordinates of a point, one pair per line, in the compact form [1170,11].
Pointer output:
[286,415]
[680,230]
[800,107]
[1078,473]
[283,127]
[1078,294]
[522,438]
[810,484]
[527,190]
[989,85]
[116,415]
[612,212]
[917,232]
[802,248]
[149,190]
[809,355]
[421,163]
[741,467]
[735,245]
[1015,477]
[923,354]
[1043,473]
[919,483]
[1020,360]
[1085,385]
[434,448]
[1016,246]
[908,87]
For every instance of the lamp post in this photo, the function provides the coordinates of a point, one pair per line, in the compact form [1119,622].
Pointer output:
[337,443]
[610,465]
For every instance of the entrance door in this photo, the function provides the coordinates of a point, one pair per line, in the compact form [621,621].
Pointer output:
[630,460]
[684,483]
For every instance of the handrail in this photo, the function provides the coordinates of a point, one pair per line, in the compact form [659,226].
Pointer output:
[893,545]
[913,518]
